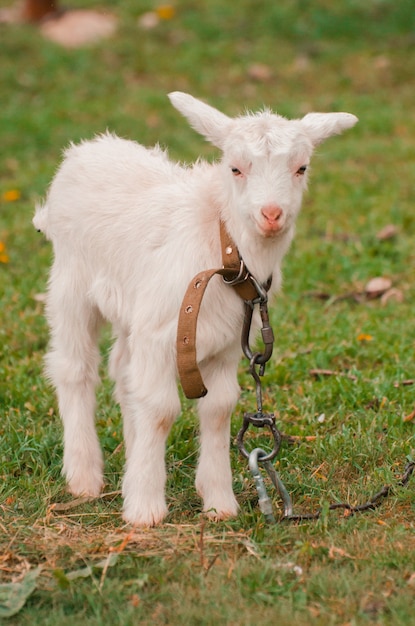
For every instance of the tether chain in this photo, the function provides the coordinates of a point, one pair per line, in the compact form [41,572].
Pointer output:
[257,362]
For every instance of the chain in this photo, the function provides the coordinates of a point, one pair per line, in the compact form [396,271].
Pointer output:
[370,505]
[257,362]
[259,419]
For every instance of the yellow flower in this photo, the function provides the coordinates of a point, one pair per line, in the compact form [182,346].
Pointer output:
[364,337]
[165,11]
[4,257]
[11,195]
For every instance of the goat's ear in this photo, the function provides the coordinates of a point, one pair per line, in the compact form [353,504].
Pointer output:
[320,126]
[206,120]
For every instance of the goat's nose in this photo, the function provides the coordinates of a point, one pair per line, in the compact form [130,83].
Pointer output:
[272,213]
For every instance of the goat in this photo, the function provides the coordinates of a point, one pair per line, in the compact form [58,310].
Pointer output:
[130,229]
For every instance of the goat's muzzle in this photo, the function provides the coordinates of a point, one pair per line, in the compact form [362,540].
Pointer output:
[271,219]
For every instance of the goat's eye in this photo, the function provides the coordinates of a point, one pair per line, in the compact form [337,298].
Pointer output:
[301,170]
[236,172]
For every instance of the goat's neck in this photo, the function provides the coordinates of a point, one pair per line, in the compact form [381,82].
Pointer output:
[262,256]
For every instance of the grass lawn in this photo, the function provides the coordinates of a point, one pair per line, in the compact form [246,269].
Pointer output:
[347,570]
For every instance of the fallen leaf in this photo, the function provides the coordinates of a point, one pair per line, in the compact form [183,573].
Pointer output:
[134,600]
[410,417]
[77,28]
[60,507]
[301,63]
[298,438]
[382,62]
[377,286]
[392,294]
[314,610]
[148,20]
[409,381]
[10,15]
[83,572]
[87,571]
[387,232]
[259,72]
[13,596]
[338,552]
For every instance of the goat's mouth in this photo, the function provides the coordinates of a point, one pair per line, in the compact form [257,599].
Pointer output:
[269,229]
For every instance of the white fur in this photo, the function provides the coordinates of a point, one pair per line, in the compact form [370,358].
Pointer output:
[130,229]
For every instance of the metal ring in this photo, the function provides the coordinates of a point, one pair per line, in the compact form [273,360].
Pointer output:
[277,444]
[240,278]
[263,458]
[240,440]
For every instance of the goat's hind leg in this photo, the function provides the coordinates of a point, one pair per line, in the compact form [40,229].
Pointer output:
[72,366]
[119,371]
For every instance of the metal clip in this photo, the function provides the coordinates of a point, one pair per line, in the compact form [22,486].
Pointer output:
[261,291]
[267,337]
[258,456]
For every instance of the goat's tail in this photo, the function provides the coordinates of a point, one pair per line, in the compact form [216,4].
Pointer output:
[40,220]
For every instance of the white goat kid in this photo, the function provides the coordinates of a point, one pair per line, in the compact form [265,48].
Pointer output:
[130,229]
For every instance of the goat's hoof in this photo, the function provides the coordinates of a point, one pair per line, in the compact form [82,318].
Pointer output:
[85,486]
[144,519]
[86,491]
[218,514]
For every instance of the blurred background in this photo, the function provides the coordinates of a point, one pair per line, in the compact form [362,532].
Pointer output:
[292,55]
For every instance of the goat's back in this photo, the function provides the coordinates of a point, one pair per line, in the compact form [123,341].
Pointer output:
[133,228]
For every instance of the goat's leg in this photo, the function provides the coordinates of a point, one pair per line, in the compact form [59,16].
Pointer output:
[152,405]
[119,372]
[72,366]
[213,476]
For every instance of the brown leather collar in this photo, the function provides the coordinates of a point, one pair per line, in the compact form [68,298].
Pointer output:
[236,275]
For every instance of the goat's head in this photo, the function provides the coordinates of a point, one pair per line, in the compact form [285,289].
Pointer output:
[265,158]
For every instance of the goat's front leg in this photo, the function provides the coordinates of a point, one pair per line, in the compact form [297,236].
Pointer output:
[152,409]
[214,476]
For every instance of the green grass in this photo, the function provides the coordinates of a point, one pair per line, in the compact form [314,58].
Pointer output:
[321,55]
